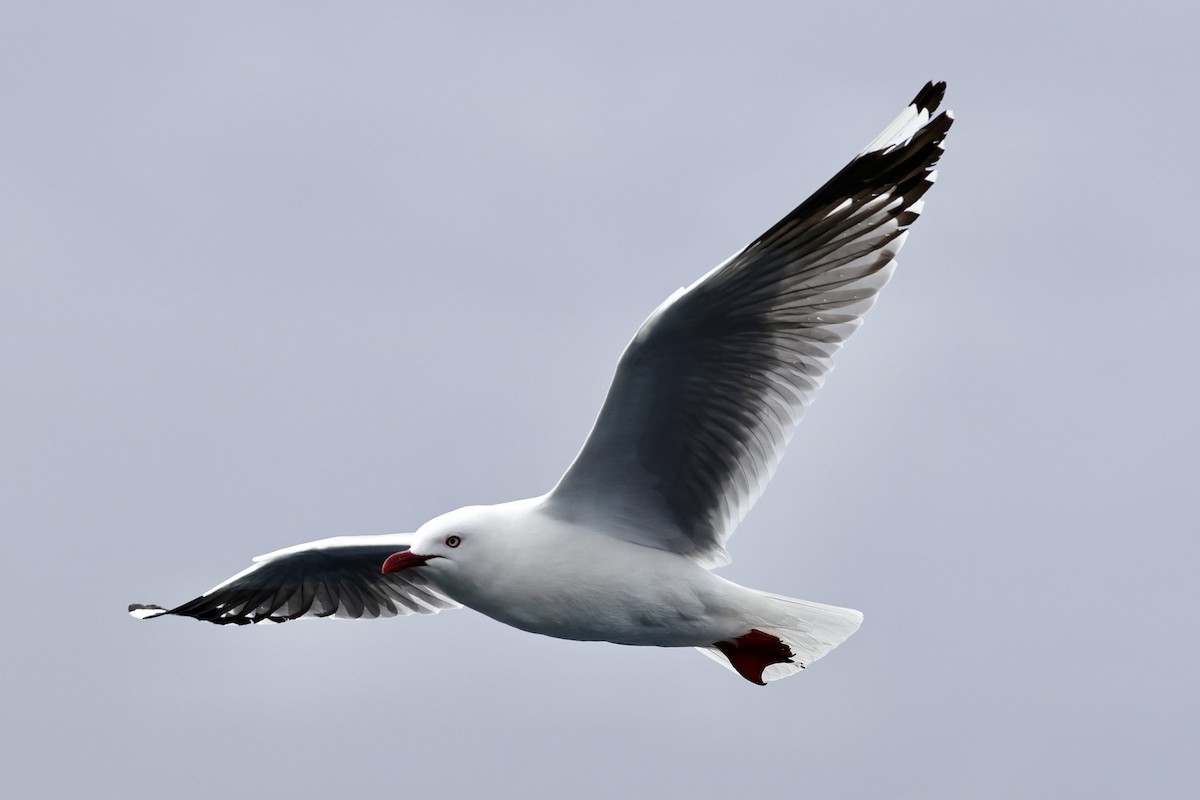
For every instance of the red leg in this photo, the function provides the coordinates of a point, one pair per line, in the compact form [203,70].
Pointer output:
[753,652]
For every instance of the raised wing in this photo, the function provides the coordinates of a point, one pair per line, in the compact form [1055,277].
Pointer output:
[338,577]
[709,391]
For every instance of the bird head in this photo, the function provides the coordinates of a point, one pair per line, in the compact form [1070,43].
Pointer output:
[440,544]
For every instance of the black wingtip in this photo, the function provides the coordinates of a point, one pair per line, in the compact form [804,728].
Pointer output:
[145,610]
[930,96]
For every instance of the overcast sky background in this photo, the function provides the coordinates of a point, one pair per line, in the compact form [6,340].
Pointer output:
[271,272]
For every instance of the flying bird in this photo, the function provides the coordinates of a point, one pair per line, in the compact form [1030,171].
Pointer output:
[703,403]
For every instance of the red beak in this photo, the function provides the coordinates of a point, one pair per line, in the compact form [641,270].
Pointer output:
[403,560]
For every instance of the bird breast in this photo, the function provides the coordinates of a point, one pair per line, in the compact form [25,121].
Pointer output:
[584,585]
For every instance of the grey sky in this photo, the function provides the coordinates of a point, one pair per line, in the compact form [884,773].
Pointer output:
[271,272]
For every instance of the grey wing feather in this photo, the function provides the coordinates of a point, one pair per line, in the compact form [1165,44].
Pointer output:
[339,577]
[708,393]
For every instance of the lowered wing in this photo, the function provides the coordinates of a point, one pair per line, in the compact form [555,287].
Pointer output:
[338,577]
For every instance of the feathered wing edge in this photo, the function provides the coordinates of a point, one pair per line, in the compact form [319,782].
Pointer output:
[339,578]
[708,393]
[812,277]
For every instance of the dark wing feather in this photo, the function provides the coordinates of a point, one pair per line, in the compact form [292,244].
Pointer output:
[338,577]
[707,394]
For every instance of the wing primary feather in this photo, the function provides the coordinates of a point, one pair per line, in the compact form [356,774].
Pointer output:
[330,578]
[706,396]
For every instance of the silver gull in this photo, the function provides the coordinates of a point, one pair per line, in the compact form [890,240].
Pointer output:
[703,403]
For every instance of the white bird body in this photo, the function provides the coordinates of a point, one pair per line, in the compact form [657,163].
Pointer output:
[585,584]
[703,403]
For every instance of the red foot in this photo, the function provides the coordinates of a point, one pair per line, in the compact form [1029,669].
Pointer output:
[753,652]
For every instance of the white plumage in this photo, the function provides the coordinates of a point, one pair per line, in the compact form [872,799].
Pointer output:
[703,403]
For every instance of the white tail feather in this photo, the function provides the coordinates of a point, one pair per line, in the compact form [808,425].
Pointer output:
[817,629]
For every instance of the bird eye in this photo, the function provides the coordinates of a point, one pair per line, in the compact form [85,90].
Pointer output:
[453,541]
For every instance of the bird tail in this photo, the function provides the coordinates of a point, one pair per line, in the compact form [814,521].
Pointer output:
[812,630]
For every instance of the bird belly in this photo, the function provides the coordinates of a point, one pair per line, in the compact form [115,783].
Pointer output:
[664,624]
[657,598]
